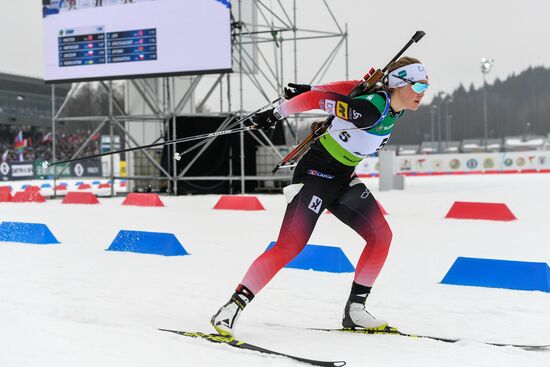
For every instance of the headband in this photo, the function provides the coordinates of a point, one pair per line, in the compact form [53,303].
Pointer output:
[411,72]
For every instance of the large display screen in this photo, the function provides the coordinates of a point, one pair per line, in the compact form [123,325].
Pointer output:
[115,39]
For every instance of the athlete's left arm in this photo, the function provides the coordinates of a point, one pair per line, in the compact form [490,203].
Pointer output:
[359,112]
[342,87]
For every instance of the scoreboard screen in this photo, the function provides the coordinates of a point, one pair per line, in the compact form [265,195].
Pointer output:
[116,39]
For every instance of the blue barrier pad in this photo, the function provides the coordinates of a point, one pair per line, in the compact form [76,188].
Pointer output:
[320,258]
[518,275]
[35,233]
[156,243]
[46,186]
[96,183]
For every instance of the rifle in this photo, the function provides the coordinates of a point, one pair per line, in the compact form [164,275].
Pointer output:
[368,83]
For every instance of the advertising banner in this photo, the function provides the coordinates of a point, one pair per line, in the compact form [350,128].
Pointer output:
[530,161]
[85,168]
[10,171]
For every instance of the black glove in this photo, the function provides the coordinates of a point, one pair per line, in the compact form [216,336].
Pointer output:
[265,120]
[292,90]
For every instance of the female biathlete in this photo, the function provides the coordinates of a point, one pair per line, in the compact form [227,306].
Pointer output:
[324,178]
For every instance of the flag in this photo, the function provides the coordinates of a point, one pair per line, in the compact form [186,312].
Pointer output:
[20,143]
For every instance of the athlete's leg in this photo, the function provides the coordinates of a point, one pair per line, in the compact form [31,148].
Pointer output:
[306,201]
[358,208]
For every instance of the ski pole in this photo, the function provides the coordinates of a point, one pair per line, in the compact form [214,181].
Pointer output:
[47,164]
[214,134]
[178,155]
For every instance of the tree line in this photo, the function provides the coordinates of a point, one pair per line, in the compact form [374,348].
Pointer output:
[516,106]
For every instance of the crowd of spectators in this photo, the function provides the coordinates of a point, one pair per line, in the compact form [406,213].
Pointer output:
[38,145]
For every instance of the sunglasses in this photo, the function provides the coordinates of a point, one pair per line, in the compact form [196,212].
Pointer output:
[417,87]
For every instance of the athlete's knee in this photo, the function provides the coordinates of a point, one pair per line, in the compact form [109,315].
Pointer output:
[385,233]
[380,236]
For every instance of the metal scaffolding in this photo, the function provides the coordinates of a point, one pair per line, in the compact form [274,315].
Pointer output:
[256,28]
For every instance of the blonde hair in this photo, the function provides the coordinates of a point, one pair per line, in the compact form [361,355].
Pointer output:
[403,61]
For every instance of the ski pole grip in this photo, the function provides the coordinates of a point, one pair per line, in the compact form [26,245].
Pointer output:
[418,36]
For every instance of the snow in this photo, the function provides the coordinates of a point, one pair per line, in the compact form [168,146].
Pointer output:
[522,142]
[75,304]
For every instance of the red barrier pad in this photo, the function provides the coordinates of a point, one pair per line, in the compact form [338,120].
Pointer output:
[28,197]
[80,198]
[5,196]
[104,186]
[143,199]
[61,188]
[239,202]
[5,188]
[84,186]
[32,188]
[487,211]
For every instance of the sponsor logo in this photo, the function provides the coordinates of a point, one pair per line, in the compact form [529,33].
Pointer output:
[313,172]
[488,163]
[92,170]
[330,106]
[437,164]
[454,164]
[420,163]
[471,163]
[508,162]
[365,194]
[402,73]
[315,204]
[384,128]
[4,168]
[355,115]
[542,160]
[520,162]
[78,170]
[24,170]
[342,110]
[370,97]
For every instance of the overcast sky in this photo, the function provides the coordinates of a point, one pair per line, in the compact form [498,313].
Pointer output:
[458,33]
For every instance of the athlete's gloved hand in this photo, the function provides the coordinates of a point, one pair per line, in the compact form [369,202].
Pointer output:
[292,90]
[266,120]
[315,125]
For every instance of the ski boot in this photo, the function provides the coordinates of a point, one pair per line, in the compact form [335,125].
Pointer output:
[357,316]
[225,320]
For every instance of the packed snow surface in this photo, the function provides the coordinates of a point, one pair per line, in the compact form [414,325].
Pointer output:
[75,304]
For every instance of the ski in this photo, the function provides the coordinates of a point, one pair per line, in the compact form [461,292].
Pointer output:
[394,331]
[216,338]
